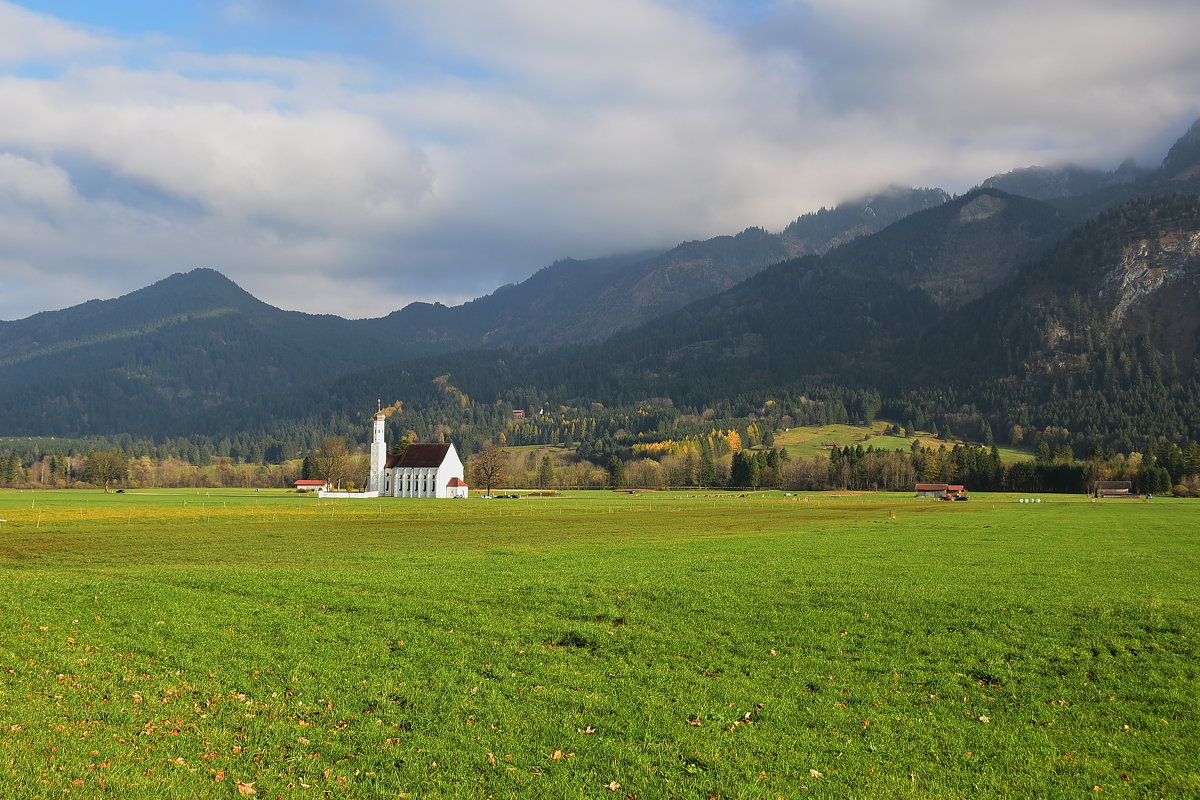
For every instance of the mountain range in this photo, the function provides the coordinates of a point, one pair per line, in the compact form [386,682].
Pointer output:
[997,306]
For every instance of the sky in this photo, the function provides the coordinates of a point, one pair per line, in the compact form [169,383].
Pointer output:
[351,157]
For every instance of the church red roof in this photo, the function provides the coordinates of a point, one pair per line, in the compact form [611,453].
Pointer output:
[455,481]
[419,455]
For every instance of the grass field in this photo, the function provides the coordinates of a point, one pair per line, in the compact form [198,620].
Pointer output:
[597,645]
[811,441]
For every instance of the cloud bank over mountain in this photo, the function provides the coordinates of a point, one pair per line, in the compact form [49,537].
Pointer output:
[352,157]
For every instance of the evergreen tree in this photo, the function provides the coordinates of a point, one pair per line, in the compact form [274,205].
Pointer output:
[708,469]
[10,466]
[545,473]
[744,471]
[616,472]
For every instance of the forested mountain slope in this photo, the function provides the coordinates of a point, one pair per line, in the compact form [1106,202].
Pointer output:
[990,308]
[196,353]
[149,361]
[1090,344]
[587,301]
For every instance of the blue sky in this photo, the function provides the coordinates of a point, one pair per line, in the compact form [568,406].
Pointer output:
[352,157]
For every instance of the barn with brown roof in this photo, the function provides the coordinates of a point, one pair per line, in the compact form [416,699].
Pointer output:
[942,491]
[1113,489]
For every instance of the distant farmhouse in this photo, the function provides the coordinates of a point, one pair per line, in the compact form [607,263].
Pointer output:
[311,486]
[942,491]
[1113,489]
[422,470]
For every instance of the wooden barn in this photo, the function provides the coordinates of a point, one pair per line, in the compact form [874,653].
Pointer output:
[1113,489]
[942,491]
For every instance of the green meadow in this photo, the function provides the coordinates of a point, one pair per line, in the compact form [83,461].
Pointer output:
[182,645]
[811,440]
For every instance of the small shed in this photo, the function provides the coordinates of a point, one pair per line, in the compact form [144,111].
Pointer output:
[311,486]
[456,488]
[1113,489]
[932,490]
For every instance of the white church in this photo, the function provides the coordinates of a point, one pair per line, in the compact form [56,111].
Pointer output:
[422,470]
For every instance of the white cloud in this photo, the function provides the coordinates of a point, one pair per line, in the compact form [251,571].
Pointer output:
[28,36]
[1083,79]
[485,138]
[319,169]
[25,183]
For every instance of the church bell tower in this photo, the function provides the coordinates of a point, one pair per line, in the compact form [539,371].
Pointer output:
[378,455]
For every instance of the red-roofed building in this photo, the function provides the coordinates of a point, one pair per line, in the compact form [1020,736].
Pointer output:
[311,486]
[456,487]
[942,491]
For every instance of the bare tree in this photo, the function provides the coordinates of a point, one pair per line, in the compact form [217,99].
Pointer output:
[487,467]
[332,460]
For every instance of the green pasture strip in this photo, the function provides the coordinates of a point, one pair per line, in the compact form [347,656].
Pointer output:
[176,644]
[809,441]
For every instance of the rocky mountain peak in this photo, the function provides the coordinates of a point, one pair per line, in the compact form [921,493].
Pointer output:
[1183,159]
[1149,266]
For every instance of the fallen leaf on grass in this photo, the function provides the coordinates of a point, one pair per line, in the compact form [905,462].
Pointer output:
[814,773]
[556,755]
[695,722]
[301,740]
[984,719]
[246,789]
[612,786]
[491,759]
[588,729]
